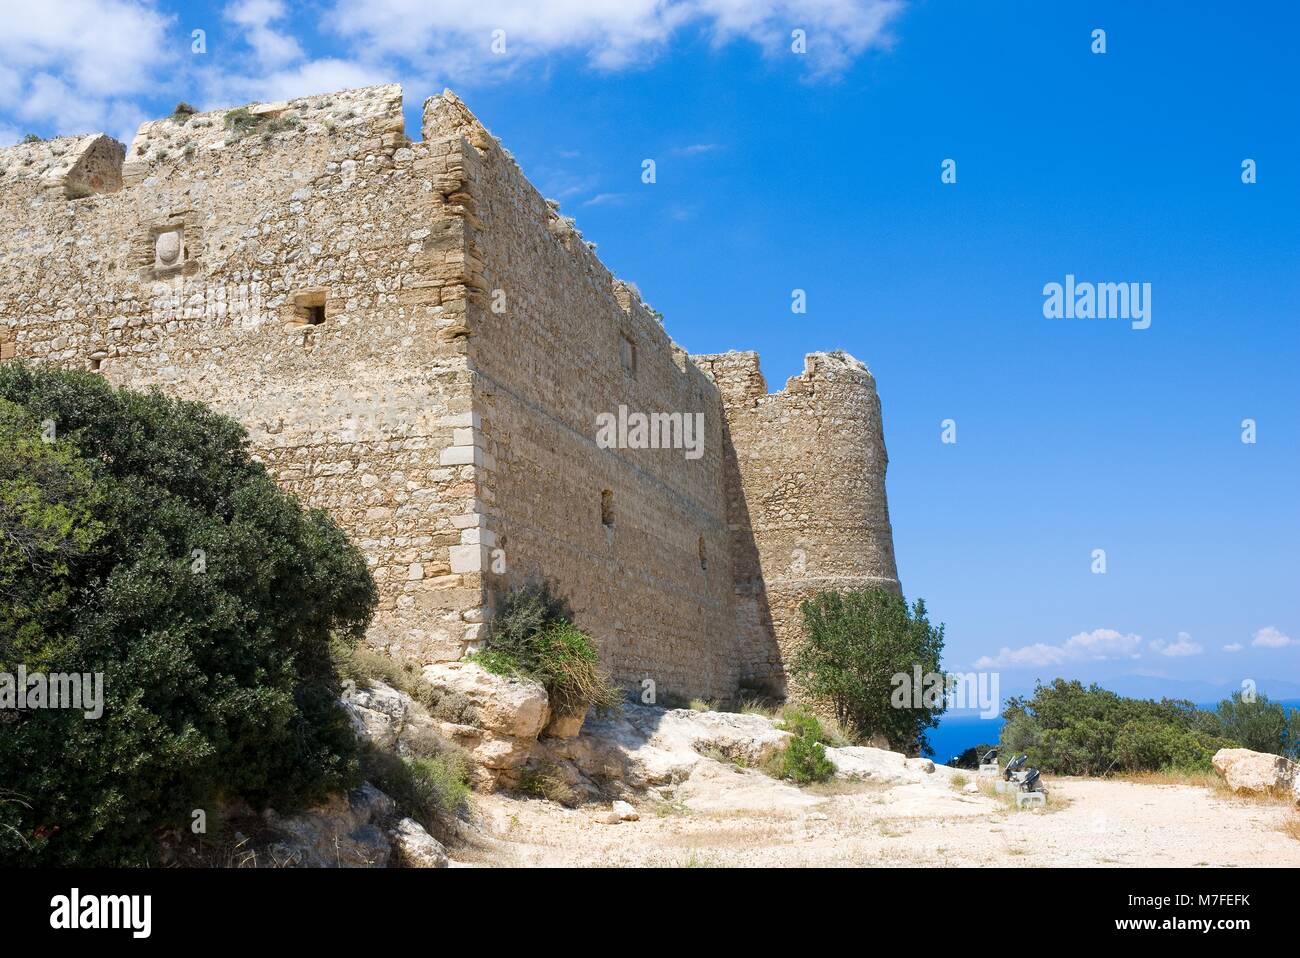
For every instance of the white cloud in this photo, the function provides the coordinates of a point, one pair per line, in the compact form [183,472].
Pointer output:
[695,149]
[1233,647]
[87,65]
[613,34]
[73,66]
[1097,645]
[1181,647]
[274,65]
[601,199]
[1270,638]
[304,79]
[272,48]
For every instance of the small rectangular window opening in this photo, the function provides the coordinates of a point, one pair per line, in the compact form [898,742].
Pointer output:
[309,308]
[627,354]
[607,509]
[704,560]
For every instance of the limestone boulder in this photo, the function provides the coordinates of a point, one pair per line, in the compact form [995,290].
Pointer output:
[865,763]
[378,713]
[390,719]
[415,847]
[345,831]
[564,726]
[1245,770]
[494,760]
[465,693]
[644,746]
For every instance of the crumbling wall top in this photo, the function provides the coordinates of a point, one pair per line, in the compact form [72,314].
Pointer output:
[375,110]
[741,381]
[74,165]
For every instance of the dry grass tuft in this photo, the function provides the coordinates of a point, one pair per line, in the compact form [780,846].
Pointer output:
[1291,826]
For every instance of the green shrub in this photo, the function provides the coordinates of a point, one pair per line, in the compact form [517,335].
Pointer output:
[498,663]
[855,642]
[241,122]
[567,664]
[531,634]
[217,673]
[182,112]
[804,761]
[1070,729]
[520,616]
[802,722]
[423,787]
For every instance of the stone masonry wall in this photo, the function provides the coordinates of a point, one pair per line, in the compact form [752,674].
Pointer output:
[551,336]
[805,493]
[197,270]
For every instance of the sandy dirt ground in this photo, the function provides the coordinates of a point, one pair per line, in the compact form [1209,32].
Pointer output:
[724,816]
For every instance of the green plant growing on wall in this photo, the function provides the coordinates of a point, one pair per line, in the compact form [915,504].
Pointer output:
[532,634]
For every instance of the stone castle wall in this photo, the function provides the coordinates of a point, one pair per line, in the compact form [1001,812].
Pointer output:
[419,343]
[554,341]
[324,202]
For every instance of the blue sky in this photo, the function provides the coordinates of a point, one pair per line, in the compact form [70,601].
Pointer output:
[821,172]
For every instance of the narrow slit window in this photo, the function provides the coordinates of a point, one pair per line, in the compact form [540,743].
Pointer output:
[627,354]
[607,509]
[704,559]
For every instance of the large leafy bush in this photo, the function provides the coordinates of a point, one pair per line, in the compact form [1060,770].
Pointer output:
[1071,729]
[145,543]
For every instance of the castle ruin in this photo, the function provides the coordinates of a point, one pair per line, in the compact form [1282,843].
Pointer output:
[419,343]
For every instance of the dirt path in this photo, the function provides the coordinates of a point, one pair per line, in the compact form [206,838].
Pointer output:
[727,817]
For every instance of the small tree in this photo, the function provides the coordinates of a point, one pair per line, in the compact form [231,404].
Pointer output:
[857,641]
[1259,724]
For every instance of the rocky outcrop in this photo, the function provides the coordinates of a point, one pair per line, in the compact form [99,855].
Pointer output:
[345,831]
[468,694]
[496,719]
[711,760]
[1245,770]
[564,726]
[645,746]
[388,719]
[415,847]
[357,829]
[864,763]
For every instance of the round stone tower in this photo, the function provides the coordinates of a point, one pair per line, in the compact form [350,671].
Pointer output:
[806,497]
